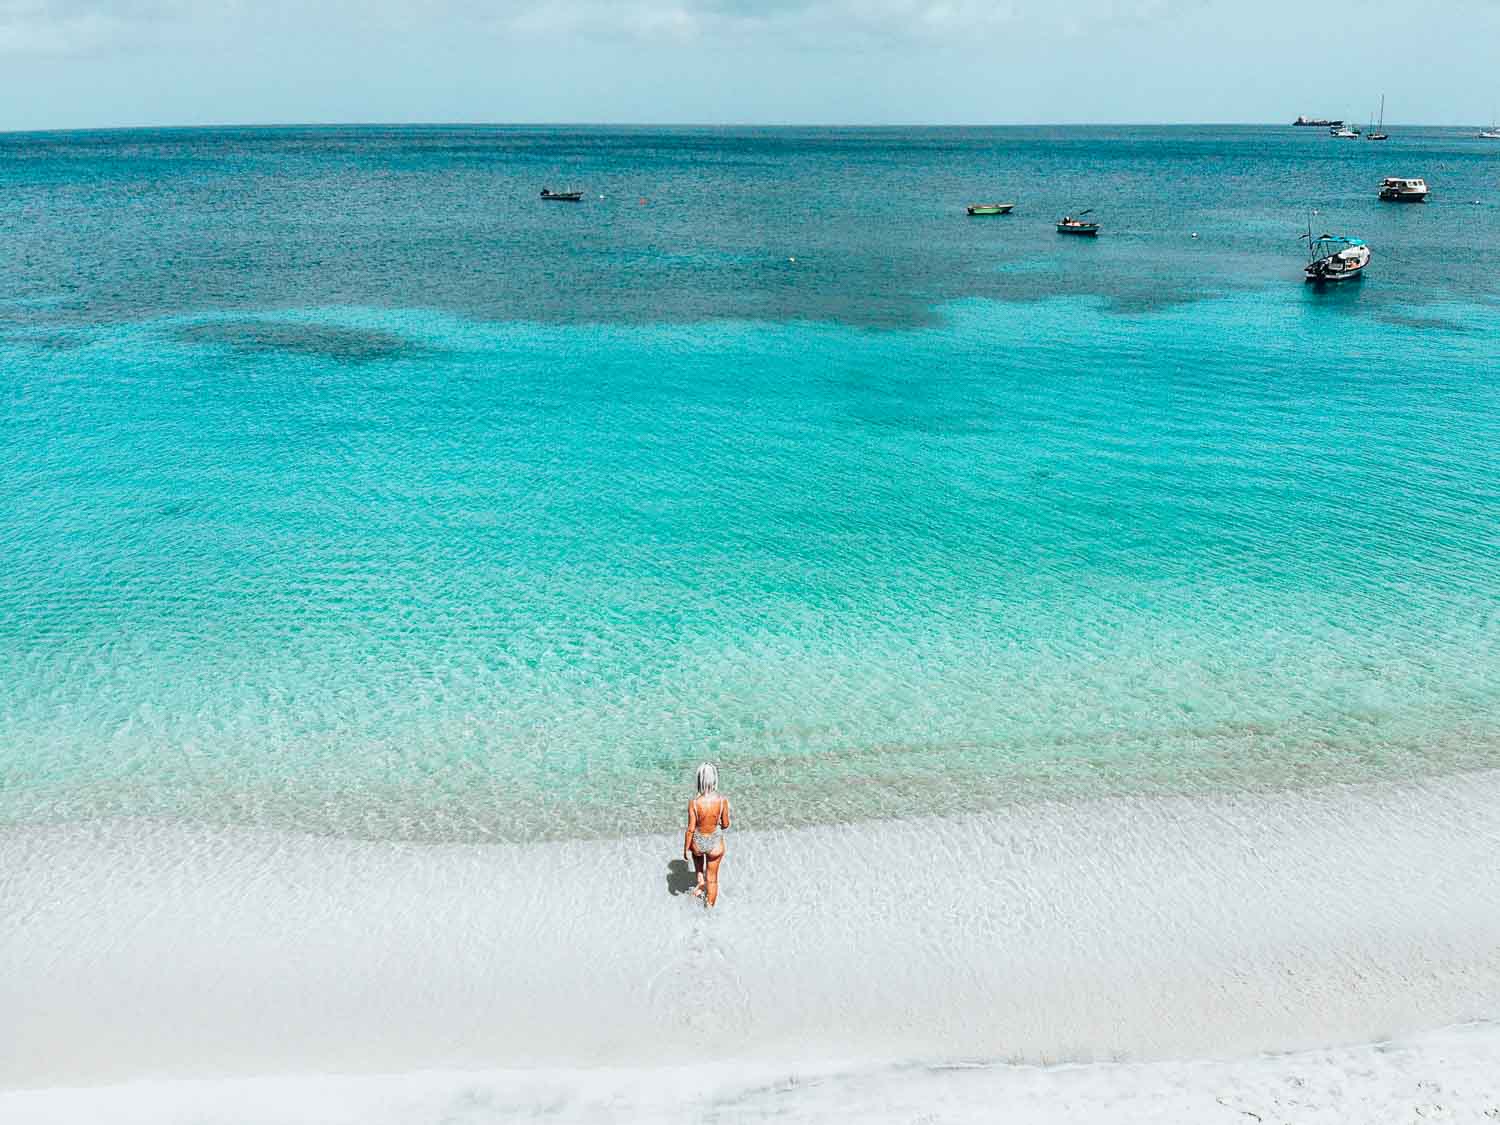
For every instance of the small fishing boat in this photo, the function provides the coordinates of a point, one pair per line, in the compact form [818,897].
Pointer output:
[1344,133]
[990,208]
[1075,224]
[1332,257]
[1403,189]
[562,196]
[1492,133]
[1377,132]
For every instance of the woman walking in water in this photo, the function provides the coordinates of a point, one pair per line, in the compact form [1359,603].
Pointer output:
[708,816]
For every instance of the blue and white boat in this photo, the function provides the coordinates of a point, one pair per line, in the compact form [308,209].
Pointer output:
[1332,257]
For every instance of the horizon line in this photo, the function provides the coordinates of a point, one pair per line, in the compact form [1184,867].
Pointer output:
[472,124]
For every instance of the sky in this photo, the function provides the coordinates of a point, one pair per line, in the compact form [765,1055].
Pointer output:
[104,63]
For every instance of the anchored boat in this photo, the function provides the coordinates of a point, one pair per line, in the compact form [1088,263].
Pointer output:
[562,196]
[1071,224]
[1332,257]
[1377,132]
[1403,189]
[990,208]
[1344,133]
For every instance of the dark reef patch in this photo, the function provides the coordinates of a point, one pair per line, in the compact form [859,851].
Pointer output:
[321,341]
[45,341]
[1406,320]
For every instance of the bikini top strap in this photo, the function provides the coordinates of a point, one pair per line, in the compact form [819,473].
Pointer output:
[694,811]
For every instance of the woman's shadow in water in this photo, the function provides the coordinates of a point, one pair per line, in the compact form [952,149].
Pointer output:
[681,878]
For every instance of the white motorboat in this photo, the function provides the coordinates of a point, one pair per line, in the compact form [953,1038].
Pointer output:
[1403,189]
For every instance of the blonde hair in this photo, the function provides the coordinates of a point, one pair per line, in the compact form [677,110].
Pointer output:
[708,779]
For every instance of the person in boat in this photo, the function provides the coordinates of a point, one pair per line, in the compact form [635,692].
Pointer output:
[703,843]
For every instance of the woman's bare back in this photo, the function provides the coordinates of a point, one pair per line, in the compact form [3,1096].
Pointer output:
[707,815]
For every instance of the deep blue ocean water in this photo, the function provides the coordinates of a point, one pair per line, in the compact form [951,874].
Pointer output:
[348,486]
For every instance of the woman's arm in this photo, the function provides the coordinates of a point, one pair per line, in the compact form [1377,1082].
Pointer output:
[687,838]
[724,813]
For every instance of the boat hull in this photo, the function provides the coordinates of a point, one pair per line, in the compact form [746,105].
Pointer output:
[1087,232]
[990,208]
[1315,276]
[1403,196]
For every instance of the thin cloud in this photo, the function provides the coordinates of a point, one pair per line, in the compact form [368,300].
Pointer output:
[84,26]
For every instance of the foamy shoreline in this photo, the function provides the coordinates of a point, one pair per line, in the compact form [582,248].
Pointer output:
[1449,1075]
[1132,929]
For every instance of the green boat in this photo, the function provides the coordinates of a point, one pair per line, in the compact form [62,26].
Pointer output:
[990,208]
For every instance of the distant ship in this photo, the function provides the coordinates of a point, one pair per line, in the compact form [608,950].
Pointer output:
[1324,121]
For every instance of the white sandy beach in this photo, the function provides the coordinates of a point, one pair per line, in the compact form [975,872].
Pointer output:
[176,974]
[1447,1076]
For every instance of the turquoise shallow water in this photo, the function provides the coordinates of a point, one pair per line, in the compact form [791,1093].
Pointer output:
[428,556]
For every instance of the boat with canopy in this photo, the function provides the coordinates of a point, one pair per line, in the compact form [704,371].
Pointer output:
[1333,257]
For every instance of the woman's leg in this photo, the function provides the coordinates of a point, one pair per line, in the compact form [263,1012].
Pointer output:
[700,863]
[713,876]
